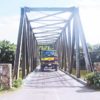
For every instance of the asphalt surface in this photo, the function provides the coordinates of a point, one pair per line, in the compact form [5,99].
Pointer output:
[51,85]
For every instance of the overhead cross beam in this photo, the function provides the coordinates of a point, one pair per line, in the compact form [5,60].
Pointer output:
[48,27]
[50,35]
[57,23]
[50,30]
[47,40]
[50,38]
[46,16]
[29,9]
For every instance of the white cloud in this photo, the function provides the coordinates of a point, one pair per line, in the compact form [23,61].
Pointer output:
[81,3]
[9,28]
[90,18]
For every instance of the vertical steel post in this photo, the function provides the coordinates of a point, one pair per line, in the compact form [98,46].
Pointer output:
[69,47]
[24,51]
[65,49]
[77,45]
[85,49]
[19,45]
[27,46]
[72,48]
[62,52]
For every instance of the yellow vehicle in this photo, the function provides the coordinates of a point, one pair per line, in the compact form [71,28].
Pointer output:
[48,59]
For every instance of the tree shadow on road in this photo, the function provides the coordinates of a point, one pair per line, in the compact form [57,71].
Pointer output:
[86,89]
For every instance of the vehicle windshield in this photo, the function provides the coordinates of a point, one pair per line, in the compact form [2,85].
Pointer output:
[48,53]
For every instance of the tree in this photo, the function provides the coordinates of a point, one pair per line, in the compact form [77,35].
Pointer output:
[7,52]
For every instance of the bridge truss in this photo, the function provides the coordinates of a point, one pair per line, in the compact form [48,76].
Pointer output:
[60,27]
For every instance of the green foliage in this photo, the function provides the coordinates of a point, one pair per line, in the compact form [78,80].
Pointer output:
[82,73]
[93,80]
[7,52]
[17,83]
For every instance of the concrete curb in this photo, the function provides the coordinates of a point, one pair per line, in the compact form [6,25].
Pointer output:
[74,77]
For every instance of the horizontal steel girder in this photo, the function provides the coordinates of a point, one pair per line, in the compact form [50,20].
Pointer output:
[56,34]
[70,9]
[50,31]
[47,38]
[57,23]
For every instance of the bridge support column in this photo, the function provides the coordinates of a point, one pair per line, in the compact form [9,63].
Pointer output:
[5,76]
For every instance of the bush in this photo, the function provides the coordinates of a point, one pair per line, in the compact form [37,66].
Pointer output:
[93,80]
[7,52]
[17,83]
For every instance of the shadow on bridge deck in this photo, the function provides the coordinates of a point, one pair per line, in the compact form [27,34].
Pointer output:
[51,85]
[52,79]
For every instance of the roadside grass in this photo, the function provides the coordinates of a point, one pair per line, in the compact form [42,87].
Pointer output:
[16,84]
[6,90]
[83,73]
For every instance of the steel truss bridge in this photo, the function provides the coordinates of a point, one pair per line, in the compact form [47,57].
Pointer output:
[60,27]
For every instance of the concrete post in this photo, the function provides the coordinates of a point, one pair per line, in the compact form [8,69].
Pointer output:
[5,76]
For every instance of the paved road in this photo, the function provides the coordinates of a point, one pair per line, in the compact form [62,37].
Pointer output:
[51,85]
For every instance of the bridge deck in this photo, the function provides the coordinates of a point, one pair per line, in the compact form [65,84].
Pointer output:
[51,85]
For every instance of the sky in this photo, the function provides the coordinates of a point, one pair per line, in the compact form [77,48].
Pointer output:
[89,12]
